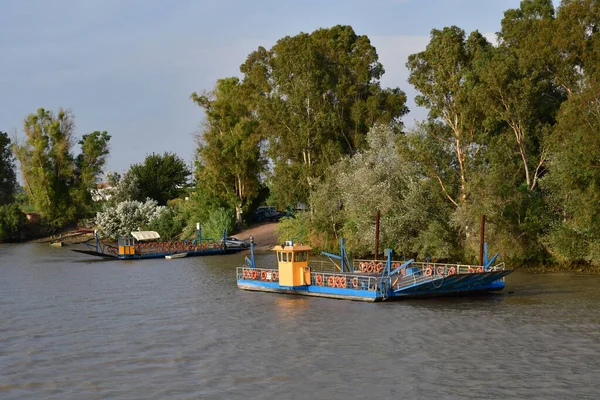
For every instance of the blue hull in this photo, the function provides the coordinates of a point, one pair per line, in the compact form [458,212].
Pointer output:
[407,287]
[310,290]
[453,284]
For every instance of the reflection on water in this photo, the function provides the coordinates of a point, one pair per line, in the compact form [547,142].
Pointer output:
[77,328]
[288,307]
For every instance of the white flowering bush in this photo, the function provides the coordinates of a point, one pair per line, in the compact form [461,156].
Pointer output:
[128,216]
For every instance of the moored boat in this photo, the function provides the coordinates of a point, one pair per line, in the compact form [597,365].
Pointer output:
[146,245]
[176,255]
[367,280]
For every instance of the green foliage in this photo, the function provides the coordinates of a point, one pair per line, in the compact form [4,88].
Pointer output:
[229,158]
[160,177]
[167,224]
[299,229]
[198,208]
[316,95]
[122,188]
[47,164]
[55,182]
[8,177]
[12,221]
[89,164]
[413,216]
[574,179]
[219,220]
[445,78]
[492,124]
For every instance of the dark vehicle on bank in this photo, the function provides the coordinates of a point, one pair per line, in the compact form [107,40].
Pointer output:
[267,213]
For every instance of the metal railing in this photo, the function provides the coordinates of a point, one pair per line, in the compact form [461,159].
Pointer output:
[317,278]
[257,274]
[419,272]
[424,268]
[324,266]
[432,272]
[156,248]
[346,281]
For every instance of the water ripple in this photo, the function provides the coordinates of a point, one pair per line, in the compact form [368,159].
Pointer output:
[181,329]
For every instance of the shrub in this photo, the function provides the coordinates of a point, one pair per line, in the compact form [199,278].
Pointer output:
[128,216]
[12,221]
[219,220]
[166,223]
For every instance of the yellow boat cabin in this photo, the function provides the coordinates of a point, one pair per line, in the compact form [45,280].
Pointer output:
[292,260]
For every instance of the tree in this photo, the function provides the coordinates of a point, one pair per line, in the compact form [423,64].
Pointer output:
[89,165]
[574,179]
[518,85]
[160,177]
[316,96]
[575,47]
[57,183]
[445,77]
[8,177]
[415,218]
[47,164]
[229,157]
[121,188]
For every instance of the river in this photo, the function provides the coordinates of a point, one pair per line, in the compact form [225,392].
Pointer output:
[73,327]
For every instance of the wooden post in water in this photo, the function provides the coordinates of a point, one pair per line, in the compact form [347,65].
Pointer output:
[481,239]
[377,235]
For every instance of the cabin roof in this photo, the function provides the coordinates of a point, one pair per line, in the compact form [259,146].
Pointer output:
[296,247]
[145,235]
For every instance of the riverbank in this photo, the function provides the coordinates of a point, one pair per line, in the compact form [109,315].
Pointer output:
[265,238]
[263,234]
[586,269]
[68,237]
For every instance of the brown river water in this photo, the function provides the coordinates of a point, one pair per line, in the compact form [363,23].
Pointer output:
[73,327]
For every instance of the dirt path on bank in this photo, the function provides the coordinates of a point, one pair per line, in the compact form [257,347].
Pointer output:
[263,234]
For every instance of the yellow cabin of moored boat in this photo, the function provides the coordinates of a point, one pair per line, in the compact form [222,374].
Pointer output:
[292,260]
[126,246]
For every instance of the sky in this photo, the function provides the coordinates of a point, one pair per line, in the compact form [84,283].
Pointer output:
[129,66]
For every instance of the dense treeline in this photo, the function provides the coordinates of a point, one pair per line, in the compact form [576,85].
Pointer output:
[498,120]
[300,107]
[512,132]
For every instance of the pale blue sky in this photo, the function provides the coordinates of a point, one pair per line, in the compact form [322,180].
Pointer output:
[129,66]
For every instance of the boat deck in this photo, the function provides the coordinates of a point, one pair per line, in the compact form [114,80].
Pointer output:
[414,280]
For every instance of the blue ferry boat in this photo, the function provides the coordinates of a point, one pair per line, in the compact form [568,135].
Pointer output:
[145,244]
[367,280]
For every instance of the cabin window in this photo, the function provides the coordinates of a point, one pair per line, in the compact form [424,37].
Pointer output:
[290,257]
[279,256]
[283,257]
[300,256]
